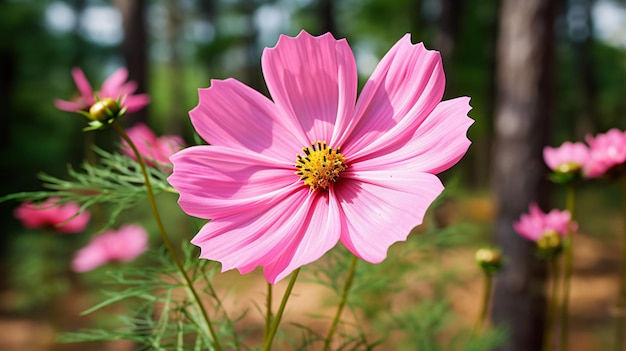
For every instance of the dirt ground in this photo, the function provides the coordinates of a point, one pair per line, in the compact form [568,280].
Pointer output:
[593,294]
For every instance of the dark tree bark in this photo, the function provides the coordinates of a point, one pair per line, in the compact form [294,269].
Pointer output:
[135,47]
[448,25]
[326,17]
[587,122]
[175,72]
[525,50]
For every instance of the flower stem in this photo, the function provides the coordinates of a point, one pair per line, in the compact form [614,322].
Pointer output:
[488,281]
[267,342]
[621,302]
[342,303]
[570,201]
[166,240]
[268,311]
[553,304]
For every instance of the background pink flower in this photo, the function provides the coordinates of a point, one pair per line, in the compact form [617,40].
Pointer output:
[366,171]
[536,223]
[123,245]
[156,150]
[115,86]
[607,150]
[568,153]
[52,215]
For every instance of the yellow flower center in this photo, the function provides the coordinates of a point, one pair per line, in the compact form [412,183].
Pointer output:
[320,166]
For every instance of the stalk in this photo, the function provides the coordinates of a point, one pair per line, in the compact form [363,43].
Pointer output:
[553,305]
[570,202]
[166,240]
[621,302]
[342,303]
[267,342]
[486,298]
[268,311]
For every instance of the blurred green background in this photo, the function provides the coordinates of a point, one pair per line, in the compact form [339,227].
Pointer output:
[172,48]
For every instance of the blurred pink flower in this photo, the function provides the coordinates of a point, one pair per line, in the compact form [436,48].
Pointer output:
[607,150]
[123,245]
[155,150]
[365,174]
[52,215]
[569,156]
[113,87]
[536,223]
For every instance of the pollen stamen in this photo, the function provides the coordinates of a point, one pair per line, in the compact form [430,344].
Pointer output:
[321,166]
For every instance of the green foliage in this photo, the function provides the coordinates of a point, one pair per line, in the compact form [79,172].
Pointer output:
[159,312]
[116,180]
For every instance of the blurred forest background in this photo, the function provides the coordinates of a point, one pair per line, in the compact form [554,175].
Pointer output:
[172,48]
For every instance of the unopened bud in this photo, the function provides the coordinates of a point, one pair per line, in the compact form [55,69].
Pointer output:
[550,240]
[104,109]
[568,167]
[489,259]
[550,244]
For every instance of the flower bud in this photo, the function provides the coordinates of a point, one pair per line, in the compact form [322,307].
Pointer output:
[550,244]
[489,259]
[568,167]
[104,109]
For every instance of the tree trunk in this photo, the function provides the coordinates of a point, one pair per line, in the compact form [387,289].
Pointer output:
[525,50]
[448,25]
[135,47]
[326,17]
[175,71]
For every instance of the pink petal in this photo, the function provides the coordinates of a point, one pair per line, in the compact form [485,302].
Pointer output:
[83,86]
[256,233]
[313,81]
[30,216]
[404,89]
[89,258]
[144,139]
[216,181]
[112,86]
[134,103]
[320,234]
[381,207]
[69,106]
[232,114]
[437,144]
[128,243]
[74,225]
[128,88]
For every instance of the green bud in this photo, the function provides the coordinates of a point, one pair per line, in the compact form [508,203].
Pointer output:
[489,259]
[104,109]
[550,244]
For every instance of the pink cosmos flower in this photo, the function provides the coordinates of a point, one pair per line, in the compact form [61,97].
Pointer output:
[607,150]
[113,87]
[156,150]
[52,215]
[569,156]
[123,245]
[284,181]
[536,223]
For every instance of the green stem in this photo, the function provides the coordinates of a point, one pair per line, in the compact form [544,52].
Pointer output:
[267,342]
[553,304]
[570,201]
[268,311]
[488,281]
[342,303]
[166,240]
[621,302]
